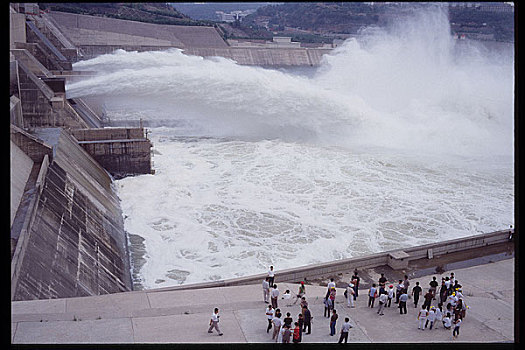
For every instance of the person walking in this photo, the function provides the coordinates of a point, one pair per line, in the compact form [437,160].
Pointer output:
[455,332]
[271,275]
[214,322]
[270,313]
[383,298]
[422,318]
[274,295]
[428,300]
[415,293]
[431,317]
[439,314]
[333,321]
[372,293]
[266,289]
[307,320]
[301,293]
[403,302]
[345,328]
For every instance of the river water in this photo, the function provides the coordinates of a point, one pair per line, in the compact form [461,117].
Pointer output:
[402,138]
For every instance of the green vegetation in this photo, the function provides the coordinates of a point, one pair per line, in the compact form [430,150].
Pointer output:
[158,13]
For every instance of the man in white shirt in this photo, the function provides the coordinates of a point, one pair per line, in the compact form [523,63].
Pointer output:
[271,275]
[447,322]
[422,317]
[344,330]
[214,322]
[274,295]
[383,298]
[277,323]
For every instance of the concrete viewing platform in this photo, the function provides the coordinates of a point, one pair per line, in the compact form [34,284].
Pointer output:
[183,316]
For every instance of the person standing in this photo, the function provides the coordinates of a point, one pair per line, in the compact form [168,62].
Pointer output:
[330,285]
[307,320]
[333,321]
[383,298]
[288,320]
[406,283]
[327,307]
[390,292]
[443,292]
[332,297]
[422,318]
[355,282]
[303,304]
[277,323]
[286,333]
[433,287]
[403,302]
[350,295]
[271,275]
[345,328]
[382,281]
[274,295]
[214,322]
[270,313]
[372,293]
[300,322]
[399,290]
[415,293]
[266,289]
[297,333]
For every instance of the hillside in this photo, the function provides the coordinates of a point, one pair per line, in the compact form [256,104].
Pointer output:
[159,13]
[485,21]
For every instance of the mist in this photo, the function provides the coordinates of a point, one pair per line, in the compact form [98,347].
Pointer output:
[410,88]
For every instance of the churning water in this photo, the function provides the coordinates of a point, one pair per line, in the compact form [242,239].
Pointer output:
[403,137]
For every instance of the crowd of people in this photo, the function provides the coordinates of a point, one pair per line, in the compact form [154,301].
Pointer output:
[441,305]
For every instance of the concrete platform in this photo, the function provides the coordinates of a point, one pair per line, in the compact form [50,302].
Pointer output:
[156,316]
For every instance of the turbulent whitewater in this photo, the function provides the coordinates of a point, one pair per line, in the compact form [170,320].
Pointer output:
[401,137]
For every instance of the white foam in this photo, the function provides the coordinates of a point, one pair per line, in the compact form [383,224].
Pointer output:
[401,138]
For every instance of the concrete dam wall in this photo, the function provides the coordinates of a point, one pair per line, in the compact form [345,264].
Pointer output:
[72,241]
[98,35]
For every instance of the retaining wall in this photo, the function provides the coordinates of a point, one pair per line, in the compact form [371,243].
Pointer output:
[365,262]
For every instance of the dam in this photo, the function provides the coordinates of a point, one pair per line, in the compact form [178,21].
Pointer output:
[70,261]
